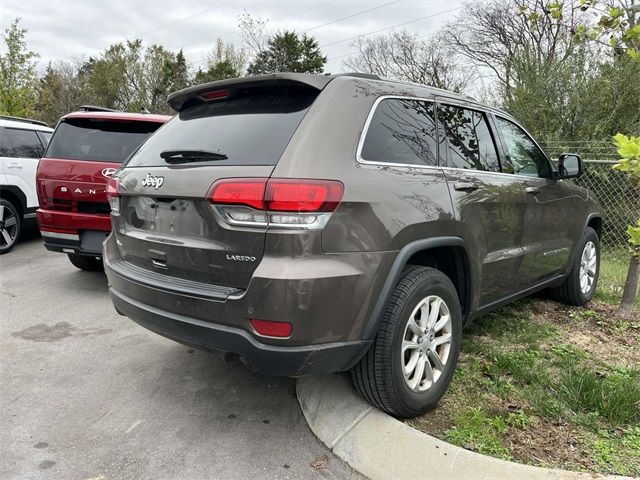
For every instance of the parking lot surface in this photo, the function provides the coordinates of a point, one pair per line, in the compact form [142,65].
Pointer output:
[88,394]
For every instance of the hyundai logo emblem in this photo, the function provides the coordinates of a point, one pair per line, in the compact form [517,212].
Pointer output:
[108,172]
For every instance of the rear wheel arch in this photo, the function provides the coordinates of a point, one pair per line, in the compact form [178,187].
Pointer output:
[426,252]
[15,196]
[454,263]
[595,222]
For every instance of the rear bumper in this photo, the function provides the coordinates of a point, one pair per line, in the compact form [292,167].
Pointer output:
[326,298]
[290,361]
[70,232]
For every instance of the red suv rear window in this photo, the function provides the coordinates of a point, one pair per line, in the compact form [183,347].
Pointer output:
[98,139]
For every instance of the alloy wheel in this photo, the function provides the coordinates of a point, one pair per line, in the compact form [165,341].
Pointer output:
[588,267]
[8,227]
[426,343]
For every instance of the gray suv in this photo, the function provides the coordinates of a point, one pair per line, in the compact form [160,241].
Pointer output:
[314,224]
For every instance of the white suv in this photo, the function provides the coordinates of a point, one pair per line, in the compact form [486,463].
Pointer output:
[22,143]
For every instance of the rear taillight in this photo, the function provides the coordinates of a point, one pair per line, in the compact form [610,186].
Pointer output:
[113,187]
[240,191]
[287,195]
[276,202]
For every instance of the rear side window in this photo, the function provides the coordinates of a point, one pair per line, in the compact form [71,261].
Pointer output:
[26,143]
[471,145]
[252,127]
[45,137]
[6,150]
[98,139]
[402,131]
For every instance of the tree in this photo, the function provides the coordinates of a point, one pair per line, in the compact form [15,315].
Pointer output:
[289,52]
[253,32]
[132,77]
[629,151]
[617,26]
[404,56]
[63,88]
[539,68]
[226,61]
[178,71]
[18,80]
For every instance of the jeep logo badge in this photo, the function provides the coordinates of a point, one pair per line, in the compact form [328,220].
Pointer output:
[151,181]
[108,172]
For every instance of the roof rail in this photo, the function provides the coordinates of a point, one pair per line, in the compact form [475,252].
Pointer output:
[93,108]
[24,120]
[370,76]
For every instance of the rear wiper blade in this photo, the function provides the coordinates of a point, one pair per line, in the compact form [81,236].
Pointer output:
[185,156]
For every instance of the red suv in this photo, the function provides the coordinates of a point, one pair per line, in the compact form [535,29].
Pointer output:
[86,149]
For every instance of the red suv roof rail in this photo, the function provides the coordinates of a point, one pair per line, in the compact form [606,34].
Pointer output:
[93,108]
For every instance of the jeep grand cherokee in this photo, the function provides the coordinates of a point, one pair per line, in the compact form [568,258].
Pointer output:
[315,224]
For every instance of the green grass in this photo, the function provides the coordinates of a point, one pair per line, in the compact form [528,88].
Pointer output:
[478,431]
[613,397]
[616,451]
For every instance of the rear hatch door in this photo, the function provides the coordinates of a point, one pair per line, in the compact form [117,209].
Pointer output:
[167,224]
[81,157]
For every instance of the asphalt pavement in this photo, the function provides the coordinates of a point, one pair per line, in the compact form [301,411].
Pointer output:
[88,394]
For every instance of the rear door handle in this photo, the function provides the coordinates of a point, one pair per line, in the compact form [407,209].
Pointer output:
[532,190]
[465,186]
[15,166]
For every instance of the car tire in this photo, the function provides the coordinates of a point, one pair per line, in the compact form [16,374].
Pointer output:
[83,262]
[10,225]
[380,376]
[578,288]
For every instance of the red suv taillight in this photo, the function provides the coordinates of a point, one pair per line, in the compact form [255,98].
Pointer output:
[112,194]
[280,202]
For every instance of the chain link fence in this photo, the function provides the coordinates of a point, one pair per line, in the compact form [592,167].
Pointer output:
[620,201]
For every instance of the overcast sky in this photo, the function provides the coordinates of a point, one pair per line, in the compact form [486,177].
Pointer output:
[67,29]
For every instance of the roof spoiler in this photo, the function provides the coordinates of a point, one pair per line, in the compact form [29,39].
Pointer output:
[24,120]
[188,96]
[93,108]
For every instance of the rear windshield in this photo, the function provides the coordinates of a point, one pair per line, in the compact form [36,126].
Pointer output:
[252,127]
[98,139]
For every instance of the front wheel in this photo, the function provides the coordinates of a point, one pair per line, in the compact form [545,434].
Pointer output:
[411,362]
[579,287]
[90,264]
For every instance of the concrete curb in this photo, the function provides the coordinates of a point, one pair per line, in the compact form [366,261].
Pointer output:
[383,448]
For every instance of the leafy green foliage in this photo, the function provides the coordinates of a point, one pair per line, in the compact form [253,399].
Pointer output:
[617,25]
[18,79]
[629,151]
[128,76]
[226,61]
[289,52]
[63,88]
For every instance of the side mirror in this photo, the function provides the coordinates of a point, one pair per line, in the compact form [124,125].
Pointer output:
[569,166]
